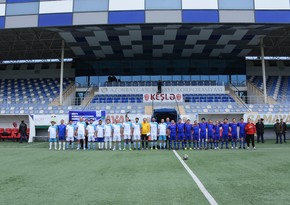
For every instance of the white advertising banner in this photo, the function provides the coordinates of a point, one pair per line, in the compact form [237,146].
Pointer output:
[165,90]
[160,97]
[269,119]
[44,120]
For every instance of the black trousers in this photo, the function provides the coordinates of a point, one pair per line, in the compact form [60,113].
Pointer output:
[284,135]
[260,136]
[144,139]
[250,138]
[278,137]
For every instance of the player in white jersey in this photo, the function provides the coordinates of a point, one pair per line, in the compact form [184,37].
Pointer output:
[108,133]
[153,134]
[70,130]
[117,129]
[100,135]
[52,133]
[162,128]
[81,131]
[127,126]
[137,127]
[91,133]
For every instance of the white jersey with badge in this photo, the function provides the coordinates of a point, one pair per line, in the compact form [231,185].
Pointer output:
[108,130]
[100,130]
[52,131]
[137,129]
[91,130]
[81,127]
[70,130]
[117,129]
[153,128]
[162,129]
[127,128]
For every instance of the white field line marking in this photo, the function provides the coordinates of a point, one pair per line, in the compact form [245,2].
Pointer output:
[201,187]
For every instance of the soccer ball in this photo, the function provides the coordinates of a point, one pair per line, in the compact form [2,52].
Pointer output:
[185,157]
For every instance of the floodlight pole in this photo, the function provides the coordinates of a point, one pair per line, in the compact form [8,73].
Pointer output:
[263,70]
[61,73]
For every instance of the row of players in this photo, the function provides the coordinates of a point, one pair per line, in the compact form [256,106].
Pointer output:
[201,135]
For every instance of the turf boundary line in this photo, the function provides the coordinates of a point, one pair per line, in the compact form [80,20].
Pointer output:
[201,187]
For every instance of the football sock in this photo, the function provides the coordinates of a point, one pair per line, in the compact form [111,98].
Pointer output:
[50,145]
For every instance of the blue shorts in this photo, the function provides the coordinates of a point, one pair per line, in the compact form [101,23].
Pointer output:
[225,136]
[188,137]
[217,137]
[52,139]
[172,137]
[181,136]
[100,139]
[202,135]
[162,137]
[243,135]
[61,138]
[210,136]
[234,136]
[195,137]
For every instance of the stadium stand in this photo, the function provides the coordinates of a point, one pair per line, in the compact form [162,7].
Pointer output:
[278,87]
[164,83]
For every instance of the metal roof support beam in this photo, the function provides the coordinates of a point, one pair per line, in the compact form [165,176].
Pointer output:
[263,70]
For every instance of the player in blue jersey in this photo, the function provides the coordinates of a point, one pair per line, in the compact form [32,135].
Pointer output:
[180,134]
[91,133]
[210,134]
[172,128]
[195,128]
[188,135]
[225,133]
[61,128]
[202,134]
[234,131]
[52,135]
[70,132]
[216,128]
[242,133]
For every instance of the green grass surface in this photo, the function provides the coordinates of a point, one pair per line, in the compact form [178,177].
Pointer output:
[31,174]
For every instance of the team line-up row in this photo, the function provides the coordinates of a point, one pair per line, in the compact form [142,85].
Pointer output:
[203,135]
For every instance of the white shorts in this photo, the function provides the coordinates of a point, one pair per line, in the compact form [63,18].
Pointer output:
[81,136]
[91,138]
[127,137]
[68,139]
[136,137]
[108,139]
[117,139]
[153,137]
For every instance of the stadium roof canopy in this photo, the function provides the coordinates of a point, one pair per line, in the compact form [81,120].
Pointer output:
[145,41]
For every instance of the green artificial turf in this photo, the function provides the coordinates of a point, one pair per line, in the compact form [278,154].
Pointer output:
[31,174]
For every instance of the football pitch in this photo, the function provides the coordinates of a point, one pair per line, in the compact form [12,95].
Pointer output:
[31,174]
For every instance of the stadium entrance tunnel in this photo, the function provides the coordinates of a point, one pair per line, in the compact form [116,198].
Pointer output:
[164,113]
